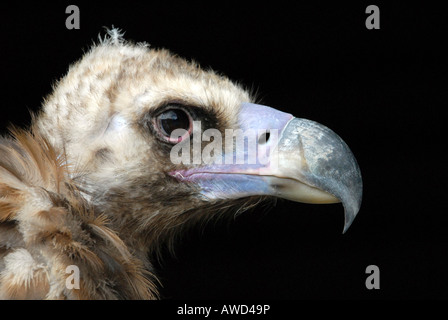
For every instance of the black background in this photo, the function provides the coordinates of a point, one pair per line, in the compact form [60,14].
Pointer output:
[383,91]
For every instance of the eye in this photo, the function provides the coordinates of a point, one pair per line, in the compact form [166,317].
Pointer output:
[172,119]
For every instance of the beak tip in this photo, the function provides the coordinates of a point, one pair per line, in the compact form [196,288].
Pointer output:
[347,225]
[351,209]
[326,163]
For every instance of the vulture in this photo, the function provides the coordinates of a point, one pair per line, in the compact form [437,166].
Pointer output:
[133,146]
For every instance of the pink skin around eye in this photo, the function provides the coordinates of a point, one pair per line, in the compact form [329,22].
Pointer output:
[179,139]
[175,140]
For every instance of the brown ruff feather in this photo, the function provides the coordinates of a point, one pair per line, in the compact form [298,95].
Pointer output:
[58,230]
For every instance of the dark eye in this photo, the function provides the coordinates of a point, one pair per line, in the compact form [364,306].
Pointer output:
[172,119]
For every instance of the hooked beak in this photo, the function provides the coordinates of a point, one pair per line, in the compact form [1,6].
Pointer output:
[297,159]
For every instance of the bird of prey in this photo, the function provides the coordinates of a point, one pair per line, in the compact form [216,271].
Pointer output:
[93,185]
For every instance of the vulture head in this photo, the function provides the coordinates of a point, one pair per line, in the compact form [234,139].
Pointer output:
[133,145]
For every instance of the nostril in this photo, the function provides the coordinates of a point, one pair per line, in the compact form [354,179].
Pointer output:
[264,138]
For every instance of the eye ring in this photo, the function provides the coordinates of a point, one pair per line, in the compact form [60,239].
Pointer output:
[170,120]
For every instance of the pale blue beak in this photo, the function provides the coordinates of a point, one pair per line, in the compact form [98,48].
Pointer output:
[299,160]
